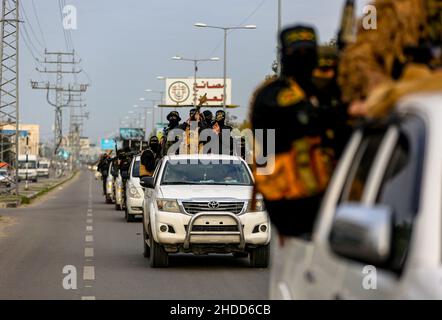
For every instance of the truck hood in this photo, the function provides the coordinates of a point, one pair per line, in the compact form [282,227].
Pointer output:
[188,192]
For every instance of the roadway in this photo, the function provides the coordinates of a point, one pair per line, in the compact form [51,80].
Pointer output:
[72,226]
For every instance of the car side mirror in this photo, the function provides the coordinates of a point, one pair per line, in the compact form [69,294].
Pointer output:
[147,182]
[362,233]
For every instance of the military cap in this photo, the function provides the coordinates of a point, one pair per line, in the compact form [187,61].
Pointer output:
[297,37]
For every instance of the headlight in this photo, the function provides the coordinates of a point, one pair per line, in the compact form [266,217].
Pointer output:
[258,207]
[133,192]
[168,205]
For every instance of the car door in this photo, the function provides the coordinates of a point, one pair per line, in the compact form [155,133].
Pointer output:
[150,194]
[324,272]
[396,182]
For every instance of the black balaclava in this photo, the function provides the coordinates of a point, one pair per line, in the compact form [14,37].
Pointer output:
[208,116]
[174,119]
[299,54]
[154,144]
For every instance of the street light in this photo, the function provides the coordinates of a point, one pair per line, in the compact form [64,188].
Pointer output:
[225,29]
[146,113]
[162,99]
[195,63]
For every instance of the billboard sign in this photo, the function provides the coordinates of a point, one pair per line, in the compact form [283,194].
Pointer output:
[108,144]
[131,134]
[181,91]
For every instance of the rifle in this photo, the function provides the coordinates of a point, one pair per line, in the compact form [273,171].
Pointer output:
[346,34]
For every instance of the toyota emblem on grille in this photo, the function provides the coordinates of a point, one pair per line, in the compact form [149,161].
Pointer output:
[213,204]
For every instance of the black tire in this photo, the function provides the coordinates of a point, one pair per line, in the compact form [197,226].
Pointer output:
[259,257]
[129,217]
[146,248]
[117,207]
[108,199]
[159,258]
[240,254]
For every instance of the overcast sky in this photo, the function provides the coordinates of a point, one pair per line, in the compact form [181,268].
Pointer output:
[125,45]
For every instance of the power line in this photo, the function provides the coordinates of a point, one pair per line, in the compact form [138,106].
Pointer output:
[38,23]
[22,9]
[62,26]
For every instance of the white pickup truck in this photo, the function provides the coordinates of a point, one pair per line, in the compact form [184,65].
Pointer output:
[379,230]
[201,204]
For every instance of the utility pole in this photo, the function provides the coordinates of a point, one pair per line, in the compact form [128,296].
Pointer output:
[59,88]
[9,86]
[76,125]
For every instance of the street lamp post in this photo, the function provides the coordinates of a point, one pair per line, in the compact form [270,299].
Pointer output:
[154,102]
[195,69]
[226,30]
[161,101]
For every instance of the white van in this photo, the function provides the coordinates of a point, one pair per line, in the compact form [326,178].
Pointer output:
[27,167]
[43,168]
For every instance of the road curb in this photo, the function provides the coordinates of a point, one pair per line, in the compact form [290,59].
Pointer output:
[26,200]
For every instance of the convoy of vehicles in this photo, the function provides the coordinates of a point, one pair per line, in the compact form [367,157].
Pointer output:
[196,204]
[379,231]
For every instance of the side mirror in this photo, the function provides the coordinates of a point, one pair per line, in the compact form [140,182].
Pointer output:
[147,182]
[362,233]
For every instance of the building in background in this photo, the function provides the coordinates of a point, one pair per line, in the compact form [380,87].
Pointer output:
[30,132]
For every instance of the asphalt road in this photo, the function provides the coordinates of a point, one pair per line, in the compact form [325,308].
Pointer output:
[72,226]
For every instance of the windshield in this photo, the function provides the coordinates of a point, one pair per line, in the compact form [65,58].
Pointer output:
[136,169]
[43,165]
[233,173]
[31,165]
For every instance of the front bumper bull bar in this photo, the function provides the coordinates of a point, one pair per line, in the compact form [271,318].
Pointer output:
[240,233]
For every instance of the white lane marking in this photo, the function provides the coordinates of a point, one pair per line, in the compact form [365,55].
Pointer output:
[89,214]
[89,238]
[88,298]
[88,273]
[89,252]
[90,221]
[89,228]
[89,210]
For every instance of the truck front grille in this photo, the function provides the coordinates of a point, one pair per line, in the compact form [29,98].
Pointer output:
[196,207]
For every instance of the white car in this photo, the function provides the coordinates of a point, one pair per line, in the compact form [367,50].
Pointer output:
[378,233]
[118,191]
[110,195]
[201,204]
[134,192]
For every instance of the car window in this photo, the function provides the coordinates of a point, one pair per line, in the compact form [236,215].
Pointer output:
[136,169]
[359,171]
[201,173]
[155,173]
[400,188]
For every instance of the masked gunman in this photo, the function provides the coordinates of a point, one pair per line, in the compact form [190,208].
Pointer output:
[208,118]
[223,132]
[401,55]
[103,168]
[192,129]
[174,121]
[302,166]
